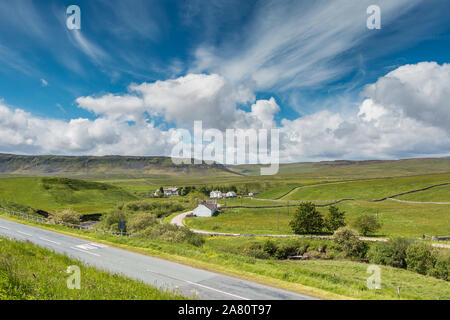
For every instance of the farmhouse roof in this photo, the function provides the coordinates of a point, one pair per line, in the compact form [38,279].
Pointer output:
[210,204]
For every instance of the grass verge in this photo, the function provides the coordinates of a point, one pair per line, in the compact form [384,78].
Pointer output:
[28,272]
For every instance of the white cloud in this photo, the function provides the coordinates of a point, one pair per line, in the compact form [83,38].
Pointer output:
[182,101]
[289,44]
[44,83]
[405,114]
[393,120]
[420,92]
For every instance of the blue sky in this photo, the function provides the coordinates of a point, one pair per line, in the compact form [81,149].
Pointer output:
[311,57]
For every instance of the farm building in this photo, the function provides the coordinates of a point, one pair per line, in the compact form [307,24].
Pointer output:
[206,208]
[231,194]
[171,192]
[167,192]
[216,194]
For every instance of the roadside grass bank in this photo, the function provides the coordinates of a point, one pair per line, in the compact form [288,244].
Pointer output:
[29,272]
[321,278]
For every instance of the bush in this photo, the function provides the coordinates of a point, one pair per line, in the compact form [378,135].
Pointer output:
[419,258]
[67,216]
[307,219]
[256,251]
[172,233]
[111,220]
[335,219]
[141,222]
[285,250]
[441,268]
[347,241]
[367,224]
[391,253]
[270,247]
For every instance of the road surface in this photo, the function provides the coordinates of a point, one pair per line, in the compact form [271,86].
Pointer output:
[153,271]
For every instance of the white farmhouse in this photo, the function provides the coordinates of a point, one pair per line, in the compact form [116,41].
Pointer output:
[171,192]
[216,194]
[231,194]
[206,208]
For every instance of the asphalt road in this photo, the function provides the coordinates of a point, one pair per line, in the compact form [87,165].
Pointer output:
[153,271]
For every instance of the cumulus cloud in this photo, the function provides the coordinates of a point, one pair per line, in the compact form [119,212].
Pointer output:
[403,114]
[420,92]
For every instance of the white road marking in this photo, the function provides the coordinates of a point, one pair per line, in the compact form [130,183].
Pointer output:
[200,285]
[94,254]
[50,241]
[86,247]
[4,228]
[100,245]
[27,234]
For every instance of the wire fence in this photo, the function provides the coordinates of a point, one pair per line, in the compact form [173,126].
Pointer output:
[43,220]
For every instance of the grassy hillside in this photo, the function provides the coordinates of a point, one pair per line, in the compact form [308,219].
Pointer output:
[107,166]
[28,272]
[51,194]
[355,169]
[438,194]
[366,190]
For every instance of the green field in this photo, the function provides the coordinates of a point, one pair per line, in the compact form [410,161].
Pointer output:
[437,194]
[28,272]
[398,219]
[52,194]
[365,190]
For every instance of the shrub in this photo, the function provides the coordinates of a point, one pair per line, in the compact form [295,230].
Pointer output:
[307,219]
[111,219]
[347,241]
[270,247]
[256,251]
[172,233]
[419,258]
[391,253]
[284,250]
[335,219]
[441,268]
[141,221]
[68,216]
[367,224]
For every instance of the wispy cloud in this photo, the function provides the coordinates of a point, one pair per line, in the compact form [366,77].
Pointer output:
[290,44]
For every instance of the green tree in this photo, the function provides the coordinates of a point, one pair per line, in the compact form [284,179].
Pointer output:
[347,241]
[307,219]
[441,268]
[391,253]
[367,224]
[335,219]
[419,258]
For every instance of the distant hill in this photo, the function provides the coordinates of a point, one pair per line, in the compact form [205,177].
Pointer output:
[90,167]
[117,166]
